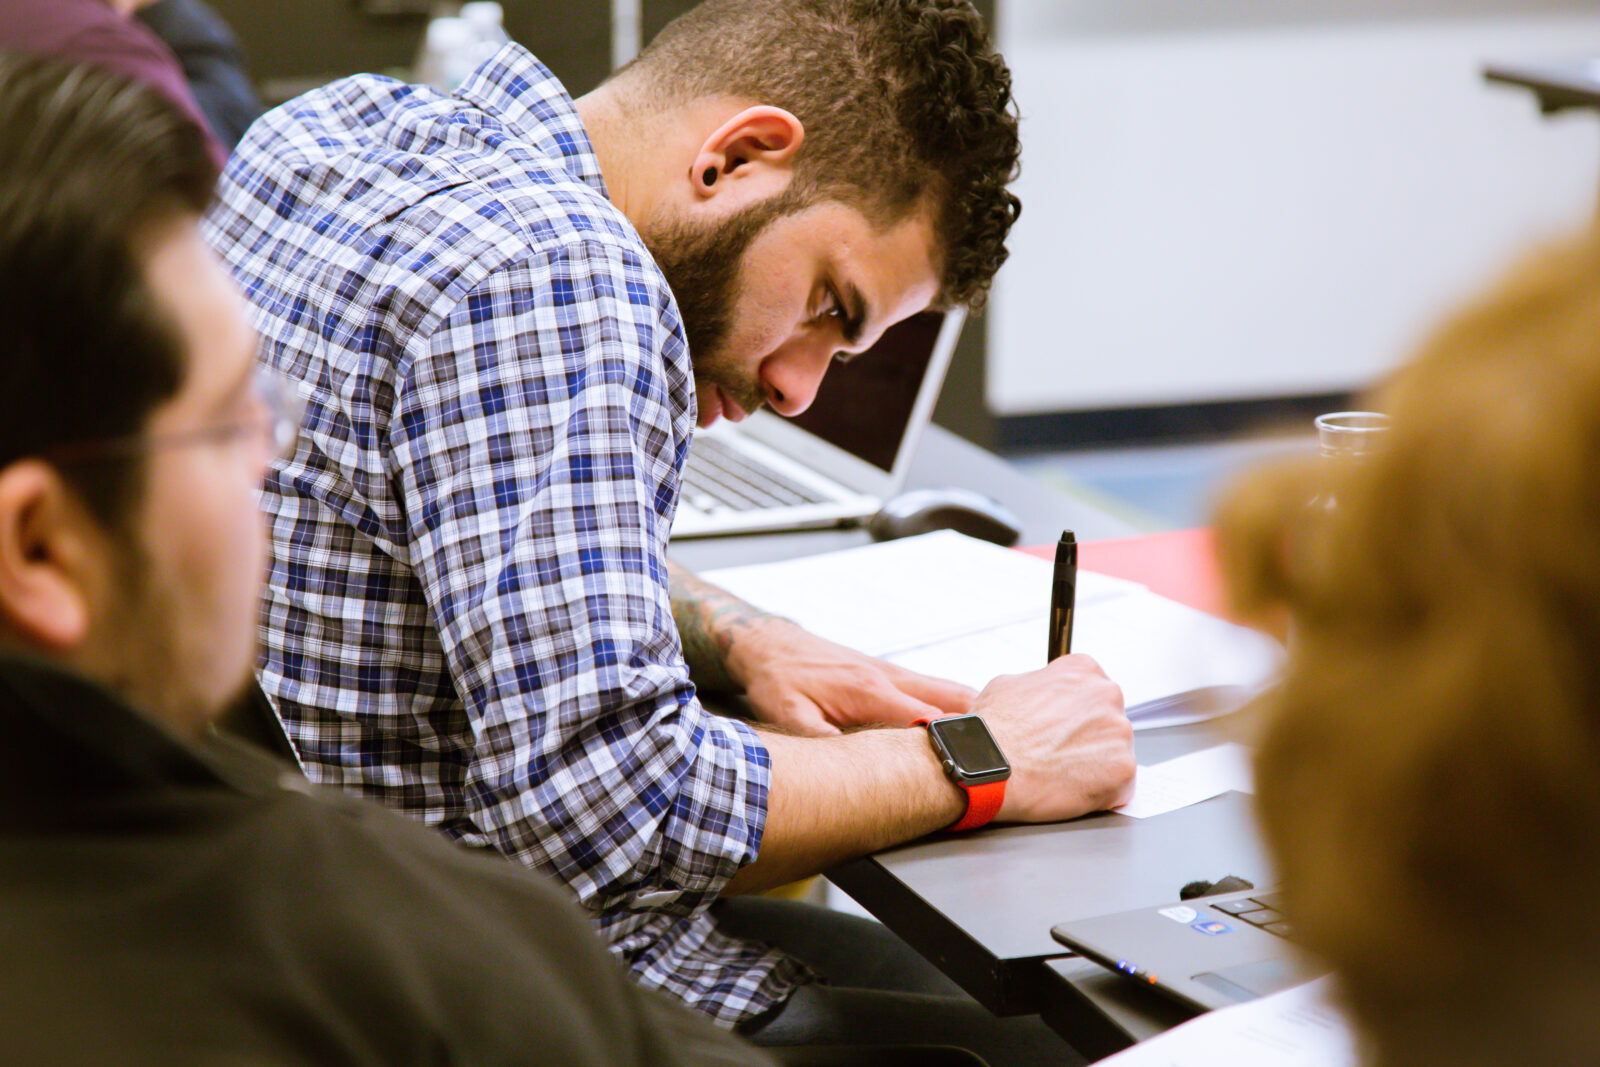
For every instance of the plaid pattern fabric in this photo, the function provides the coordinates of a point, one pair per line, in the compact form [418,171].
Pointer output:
[467,614]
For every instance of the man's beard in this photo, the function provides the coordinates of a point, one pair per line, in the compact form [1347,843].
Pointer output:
[702,265]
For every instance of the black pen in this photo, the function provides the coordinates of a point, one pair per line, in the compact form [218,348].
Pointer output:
[1063,595]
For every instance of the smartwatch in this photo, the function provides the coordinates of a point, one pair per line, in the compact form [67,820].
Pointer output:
[973,761]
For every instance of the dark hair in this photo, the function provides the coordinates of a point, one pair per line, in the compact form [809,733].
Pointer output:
[90,160]
[901,100]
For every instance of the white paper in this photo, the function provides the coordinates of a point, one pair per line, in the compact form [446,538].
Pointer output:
[911,593]
[959,608]
[1297,1027]
[1177,783]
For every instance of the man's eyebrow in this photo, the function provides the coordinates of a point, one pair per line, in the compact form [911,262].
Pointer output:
[856,312]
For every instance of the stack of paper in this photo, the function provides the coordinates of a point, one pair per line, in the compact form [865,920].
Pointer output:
[1298,1027]
[951,606]
[1189,779]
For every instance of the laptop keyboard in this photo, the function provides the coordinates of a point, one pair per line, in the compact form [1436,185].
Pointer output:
[1260,911]
[717,478]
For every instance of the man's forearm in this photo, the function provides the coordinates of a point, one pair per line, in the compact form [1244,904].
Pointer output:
[1063,732]
[836,798]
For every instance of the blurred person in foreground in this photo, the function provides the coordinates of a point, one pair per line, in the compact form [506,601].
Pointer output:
[167,895]
[1429,775]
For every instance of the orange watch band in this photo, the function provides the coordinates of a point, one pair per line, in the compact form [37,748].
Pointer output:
[983,804]
[983,801]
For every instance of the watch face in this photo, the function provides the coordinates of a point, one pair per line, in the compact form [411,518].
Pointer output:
[971,747]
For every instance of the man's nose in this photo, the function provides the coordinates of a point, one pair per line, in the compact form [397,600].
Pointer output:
[791,378]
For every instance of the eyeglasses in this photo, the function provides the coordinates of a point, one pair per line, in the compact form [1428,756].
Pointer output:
[280,428]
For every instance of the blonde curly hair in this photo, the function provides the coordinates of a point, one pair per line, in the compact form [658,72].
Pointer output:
[1429,772]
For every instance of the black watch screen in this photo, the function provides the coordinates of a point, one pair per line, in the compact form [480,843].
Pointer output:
[968,750]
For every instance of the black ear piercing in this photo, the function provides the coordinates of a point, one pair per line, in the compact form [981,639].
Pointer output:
[710,176]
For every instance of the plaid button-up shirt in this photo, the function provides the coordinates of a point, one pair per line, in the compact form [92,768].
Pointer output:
[467,615]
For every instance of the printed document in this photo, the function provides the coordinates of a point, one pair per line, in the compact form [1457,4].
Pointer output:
[1185,780]
[1298,1027]
[955,607]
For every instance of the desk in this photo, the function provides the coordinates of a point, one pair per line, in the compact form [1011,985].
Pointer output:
[981,906]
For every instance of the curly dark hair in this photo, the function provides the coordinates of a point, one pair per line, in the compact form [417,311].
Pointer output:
[903,101]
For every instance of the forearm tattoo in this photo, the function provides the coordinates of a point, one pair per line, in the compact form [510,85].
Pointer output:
[710,622]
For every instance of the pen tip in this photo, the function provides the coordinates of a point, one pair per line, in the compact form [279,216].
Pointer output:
[1067,538]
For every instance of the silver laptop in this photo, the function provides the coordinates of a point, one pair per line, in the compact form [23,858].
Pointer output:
[835,463]
[1205,953]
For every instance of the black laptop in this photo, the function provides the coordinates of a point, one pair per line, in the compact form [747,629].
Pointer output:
[1206,953]
[835,463]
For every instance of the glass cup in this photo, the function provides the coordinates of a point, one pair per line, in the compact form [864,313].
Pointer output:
[1351,433]
[1345,438]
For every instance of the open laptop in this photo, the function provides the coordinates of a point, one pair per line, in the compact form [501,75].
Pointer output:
[838,461]
[1206,953]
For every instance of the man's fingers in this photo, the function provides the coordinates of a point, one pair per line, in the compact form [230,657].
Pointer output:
[902,709]
[951,698]
[879,702]
[803,719]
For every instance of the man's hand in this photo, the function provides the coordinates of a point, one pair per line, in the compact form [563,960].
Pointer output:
[1067,738]
[805,684]
[834,798]
[793,679]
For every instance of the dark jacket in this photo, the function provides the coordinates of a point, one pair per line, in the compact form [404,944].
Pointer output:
[212,63]
[166,902]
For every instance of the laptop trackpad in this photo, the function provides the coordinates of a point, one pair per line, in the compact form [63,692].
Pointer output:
[1248,981]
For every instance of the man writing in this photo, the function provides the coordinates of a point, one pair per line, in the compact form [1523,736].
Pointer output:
[510,309]
[167,895]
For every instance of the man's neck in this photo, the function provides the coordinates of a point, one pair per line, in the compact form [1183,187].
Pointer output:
[623,149]
[646,153]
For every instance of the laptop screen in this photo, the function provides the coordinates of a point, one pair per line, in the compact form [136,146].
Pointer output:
[864,406]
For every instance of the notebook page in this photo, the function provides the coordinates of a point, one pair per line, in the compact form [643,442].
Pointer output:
[958,608]
[898,595]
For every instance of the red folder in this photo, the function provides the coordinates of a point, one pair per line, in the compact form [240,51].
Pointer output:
[1178,564]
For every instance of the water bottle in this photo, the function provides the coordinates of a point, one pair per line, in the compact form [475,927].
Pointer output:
[449,53]
[487,19]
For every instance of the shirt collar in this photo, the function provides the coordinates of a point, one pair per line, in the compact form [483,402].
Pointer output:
[533,105]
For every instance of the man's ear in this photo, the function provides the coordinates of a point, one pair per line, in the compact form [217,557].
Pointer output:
[48,558]
[753,151]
